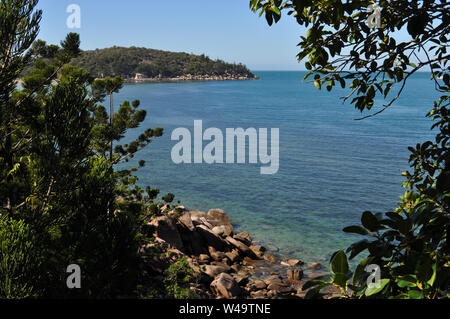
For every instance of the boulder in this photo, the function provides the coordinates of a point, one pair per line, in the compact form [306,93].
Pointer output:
[314,265]
[260,294]
[204,258]
[217,255]
[186,221]
[235,267]
[272,278]
[240,245]
[294,274]
[166,229]
[197,243]
[269,257]
[197,214]
[214,270]
[241,279]
[211,238]
[280,286]
[223,230]
[206,223]
[225,286]
[233,255]
[218,216]
[259,284]
[295,262]
[244,237]
[258,250]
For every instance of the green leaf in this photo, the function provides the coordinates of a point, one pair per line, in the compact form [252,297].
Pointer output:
[433,277]
[404,283]
[415,294]
[319,281]
[317,84]
[370,221]
[358,247]
[356,230]
[275,10]
[339,264]
[374,289]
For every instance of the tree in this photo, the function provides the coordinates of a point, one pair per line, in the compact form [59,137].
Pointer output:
[20,27]
[62,200]
[411,244]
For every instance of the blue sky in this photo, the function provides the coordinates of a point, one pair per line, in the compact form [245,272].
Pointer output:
[225,29]
[220,29]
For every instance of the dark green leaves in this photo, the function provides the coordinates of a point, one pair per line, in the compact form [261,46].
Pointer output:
[370,222]
[356,230]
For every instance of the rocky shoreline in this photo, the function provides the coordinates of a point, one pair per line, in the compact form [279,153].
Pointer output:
[229,265]
[193,78]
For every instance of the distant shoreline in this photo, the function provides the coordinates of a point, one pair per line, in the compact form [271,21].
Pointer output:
[192,78]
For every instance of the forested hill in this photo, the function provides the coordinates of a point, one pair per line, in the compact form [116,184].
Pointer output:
[150,63]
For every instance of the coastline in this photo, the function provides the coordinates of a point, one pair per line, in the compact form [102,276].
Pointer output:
[192,78]
[229,265]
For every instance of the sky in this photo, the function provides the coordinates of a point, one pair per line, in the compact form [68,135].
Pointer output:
[226,29]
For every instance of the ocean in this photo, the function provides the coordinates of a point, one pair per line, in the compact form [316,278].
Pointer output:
[331,168]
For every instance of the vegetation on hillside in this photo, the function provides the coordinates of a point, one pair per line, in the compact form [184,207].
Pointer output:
[410,245]
[127,62]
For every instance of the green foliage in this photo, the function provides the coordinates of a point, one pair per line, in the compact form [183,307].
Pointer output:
[410,245]
[126,62]
[177,280]
[19,264]
[62,200]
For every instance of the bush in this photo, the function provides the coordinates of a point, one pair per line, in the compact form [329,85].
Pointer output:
[19,264]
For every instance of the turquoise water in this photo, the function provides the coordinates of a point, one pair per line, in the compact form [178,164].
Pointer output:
[331,168]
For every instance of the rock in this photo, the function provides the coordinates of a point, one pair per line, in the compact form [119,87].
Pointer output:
[204,258]
[295,274]
[214,270]
[166,229]
[223,230]
[260,294]
[211,238]
[316,275]
[240,245]
[284,264]
[197,214]
[314,265]
[295,262]
[258,251]
[174,253]
[217,255]
[280,287]
[205,222]
[272,278]
[241,279]
[186,221]
[244,237]
[235,267]
[197,243]
[248,261]
[258,285]
[219,216]
[269,257]
[226,286]
[232,255]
